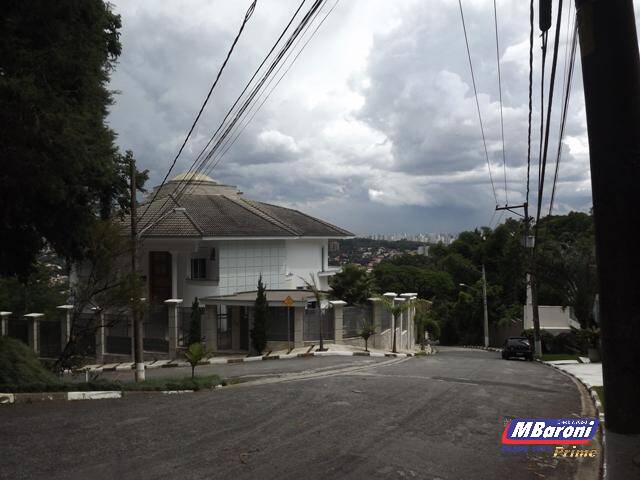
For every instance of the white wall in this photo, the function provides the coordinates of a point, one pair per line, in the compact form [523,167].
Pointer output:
[241,262]
[304,257]
[551,317]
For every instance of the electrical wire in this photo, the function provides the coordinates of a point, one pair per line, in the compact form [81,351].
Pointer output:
[251,114]
[530,101]
[475,91]
[247,16]
[565,107]
[191,174]
[549,106]
[504,156]
[256,89]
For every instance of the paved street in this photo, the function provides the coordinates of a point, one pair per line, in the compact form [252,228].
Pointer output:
[337,417]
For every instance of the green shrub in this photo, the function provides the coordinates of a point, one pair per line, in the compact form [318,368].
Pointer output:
[19,364]
[546,339]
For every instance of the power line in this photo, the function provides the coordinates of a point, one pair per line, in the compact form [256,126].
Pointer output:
[247,16]
[530,101]
[255,90]
[504,157]
[266,97]
[549,105]
[242,109]
[189,175]
[475,91]
[565,107]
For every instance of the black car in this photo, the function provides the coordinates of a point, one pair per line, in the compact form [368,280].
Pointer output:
[518,347]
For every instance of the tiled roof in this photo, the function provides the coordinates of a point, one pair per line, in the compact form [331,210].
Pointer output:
[228,216]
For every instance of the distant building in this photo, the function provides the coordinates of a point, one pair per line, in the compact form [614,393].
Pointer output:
[554,319]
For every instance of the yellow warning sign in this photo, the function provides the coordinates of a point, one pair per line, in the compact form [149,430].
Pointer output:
[288,301]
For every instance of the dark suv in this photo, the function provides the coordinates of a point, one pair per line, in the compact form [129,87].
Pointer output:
[518,347]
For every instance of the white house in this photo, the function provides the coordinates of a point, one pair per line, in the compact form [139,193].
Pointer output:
[213,243]
[553,318]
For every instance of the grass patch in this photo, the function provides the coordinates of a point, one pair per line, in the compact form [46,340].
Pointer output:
[151,385]
[550,357]
[19,364]
[600,392]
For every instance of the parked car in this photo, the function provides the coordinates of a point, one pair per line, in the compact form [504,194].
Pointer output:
[517,347]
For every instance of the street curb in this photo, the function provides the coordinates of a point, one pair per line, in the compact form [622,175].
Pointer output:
[598,406]
[592,391]
[479,347]
[15,398]
[223,361]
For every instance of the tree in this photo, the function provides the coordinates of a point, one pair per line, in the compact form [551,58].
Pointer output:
[103,280]
[260,319]
[195,331]
[194,355]
[319,295]
[395,309]
[352,284]
[367,330]
[60,167]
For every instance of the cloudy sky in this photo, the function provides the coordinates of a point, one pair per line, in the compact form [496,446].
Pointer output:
[374,127]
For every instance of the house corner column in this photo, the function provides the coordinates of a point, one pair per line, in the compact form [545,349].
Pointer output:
[338,306]
[4,323]
[173,307]
[391,296]
[210,327]
[298,327]
[101,347]
[174,275]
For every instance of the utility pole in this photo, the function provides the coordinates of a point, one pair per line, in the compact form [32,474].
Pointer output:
[611,76]
[484,302]
[531,271]
[135,311]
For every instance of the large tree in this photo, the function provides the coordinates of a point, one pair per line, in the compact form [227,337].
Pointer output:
[60,167]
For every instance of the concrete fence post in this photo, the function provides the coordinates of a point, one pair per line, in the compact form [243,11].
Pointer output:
[376,319]
[338,311]
[173,312]
[411,313]
[390,296]
[34,330]
[101,347]
[210,327]
[298,327]
[65,324]
[4,323]
[402,324]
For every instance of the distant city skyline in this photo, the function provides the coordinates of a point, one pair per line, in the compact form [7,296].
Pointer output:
[440,237]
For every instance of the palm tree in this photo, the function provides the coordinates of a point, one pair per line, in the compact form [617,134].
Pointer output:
[395,309]
[319,295]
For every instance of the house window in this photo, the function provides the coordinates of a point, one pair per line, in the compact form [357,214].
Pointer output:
[198,268]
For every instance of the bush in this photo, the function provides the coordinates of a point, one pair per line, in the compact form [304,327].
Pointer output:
[19,364]
[566,342]
[546,339]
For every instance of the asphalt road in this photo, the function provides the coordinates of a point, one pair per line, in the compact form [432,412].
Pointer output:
[437,417]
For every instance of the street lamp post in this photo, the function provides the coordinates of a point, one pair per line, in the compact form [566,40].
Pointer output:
[484,304]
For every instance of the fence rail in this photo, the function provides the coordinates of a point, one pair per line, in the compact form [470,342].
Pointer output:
[354,318]
[311,325]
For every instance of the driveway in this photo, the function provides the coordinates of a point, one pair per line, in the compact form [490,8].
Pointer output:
[437,417]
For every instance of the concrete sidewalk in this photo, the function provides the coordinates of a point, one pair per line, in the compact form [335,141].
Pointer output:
[588,373]
[300,352]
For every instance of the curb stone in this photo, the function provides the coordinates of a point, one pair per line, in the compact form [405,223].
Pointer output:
[480,347]
[15,398]
[598,406]
[222,361]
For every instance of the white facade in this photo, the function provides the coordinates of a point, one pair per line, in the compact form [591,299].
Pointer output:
[237,265]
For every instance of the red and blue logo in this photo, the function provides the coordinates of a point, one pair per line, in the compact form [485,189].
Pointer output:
[549,431]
